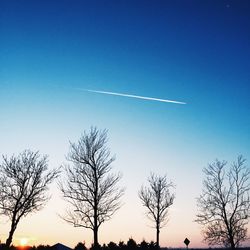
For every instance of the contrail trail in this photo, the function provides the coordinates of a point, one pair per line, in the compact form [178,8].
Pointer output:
[133,96]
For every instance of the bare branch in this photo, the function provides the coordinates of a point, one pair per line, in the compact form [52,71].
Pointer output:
[90,188]
[157,199]
[224,205]
[24,181]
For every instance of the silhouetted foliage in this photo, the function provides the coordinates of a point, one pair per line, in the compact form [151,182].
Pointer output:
[153,245]
[43,247]
[12,247]
[131,244]
[224,205]
[144,245]
[96,247]
[24,181]
[121,245]
[157,199]
[39,247]
[105,247]
[91,188]
[112,245]
[4,247]
[80,246]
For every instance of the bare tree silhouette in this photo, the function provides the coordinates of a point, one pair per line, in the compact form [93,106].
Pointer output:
[224,205]
[90,187]
[157,199]
[24,180]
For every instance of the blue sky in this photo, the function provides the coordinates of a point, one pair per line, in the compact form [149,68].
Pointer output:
[192,51]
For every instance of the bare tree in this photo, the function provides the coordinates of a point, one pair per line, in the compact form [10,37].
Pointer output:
[157,198]
[90,187]
[224,205]
[24,180]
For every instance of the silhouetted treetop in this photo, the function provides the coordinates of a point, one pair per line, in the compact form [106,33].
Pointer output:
[224,205]
[24,181]
[90,187]
[157,198]
[80,246]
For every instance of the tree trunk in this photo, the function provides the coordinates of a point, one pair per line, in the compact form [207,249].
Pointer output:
[96,244]
[231,237]
[11,233]
[95,229]
[232,244]
[158,222]
[157,235]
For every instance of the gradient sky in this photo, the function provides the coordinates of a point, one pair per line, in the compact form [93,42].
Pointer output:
[191,51]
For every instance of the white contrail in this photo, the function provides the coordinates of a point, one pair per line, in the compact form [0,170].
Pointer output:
[133,96]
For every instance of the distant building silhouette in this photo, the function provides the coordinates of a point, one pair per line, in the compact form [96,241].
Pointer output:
[60,246]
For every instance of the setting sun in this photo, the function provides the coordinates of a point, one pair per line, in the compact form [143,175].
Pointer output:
[23,242]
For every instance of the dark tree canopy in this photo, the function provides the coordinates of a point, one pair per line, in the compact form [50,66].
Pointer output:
[24,181]
[90,187]
[80,246]
[157,198]
[224,205]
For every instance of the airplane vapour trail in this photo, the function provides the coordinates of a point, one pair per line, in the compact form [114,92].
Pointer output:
[133,96]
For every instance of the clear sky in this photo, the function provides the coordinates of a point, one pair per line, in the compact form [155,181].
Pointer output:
[190,51]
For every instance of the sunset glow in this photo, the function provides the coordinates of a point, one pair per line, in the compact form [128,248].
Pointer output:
[23,242]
